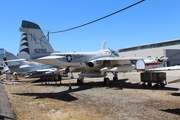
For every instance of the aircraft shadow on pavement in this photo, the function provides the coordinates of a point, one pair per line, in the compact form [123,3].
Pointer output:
[175,94]
[124,83]
[118,84]
[64,95]
[173,111]
[6,118]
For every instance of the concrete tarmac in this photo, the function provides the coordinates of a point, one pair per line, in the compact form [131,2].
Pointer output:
[6,113]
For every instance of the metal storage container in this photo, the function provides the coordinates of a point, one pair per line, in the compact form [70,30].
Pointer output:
[153,77]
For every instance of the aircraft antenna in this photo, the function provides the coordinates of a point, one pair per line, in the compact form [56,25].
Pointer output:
[98,18]
[48,35]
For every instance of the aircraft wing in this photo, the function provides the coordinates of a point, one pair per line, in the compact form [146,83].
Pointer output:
[49,59]
[15,60]
[116,64]
[40,72]
[165,68]
[46,70]
[121,61]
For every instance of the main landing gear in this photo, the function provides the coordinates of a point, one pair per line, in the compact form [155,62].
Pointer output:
[115,76]
[80,80]
[106,81]
[71,74]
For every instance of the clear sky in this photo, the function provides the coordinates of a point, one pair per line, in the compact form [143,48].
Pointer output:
[148,22]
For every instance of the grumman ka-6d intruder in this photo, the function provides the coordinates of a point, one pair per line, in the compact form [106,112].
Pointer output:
[35,46]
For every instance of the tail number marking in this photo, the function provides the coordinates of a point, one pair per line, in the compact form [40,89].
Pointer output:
[40,50]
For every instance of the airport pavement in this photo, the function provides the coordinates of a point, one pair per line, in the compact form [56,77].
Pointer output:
[6,113]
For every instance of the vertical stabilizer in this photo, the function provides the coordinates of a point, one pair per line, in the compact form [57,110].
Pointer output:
[33,43]
[103,45]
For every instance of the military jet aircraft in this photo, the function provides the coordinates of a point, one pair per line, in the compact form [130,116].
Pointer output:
[35,46]
[12,64]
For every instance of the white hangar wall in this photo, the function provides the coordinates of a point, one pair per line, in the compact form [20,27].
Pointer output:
[170,49]
[154,52]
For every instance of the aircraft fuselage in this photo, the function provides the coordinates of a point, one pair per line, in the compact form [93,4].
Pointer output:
[86,60]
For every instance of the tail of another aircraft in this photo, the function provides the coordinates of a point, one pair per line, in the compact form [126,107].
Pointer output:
[5,67]
[103,45]
[33,43]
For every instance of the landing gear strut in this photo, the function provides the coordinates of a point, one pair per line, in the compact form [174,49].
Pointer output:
[71,74]
[115,76]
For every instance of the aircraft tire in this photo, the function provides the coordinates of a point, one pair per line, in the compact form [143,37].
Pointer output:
[53,78]
[42,78]
[106,81]
[80,81]
[115,78]
[162,85]
[143,85]
[149,84]
[156,85]
[59,77]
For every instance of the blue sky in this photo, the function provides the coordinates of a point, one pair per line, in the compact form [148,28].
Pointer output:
[148,22]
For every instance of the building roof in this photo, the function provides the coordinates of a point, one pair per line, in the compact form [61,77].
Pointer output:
[151,45]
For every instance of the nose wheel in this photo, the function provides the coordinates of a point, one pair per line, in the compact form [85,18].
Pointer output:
[80,81]
[106,81]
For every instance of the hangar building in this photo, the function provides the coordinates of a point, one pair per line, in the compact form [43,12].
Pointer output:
[170,49]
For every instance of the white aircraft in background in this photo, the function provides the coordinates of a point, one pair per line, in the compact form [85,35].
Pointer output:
[152,62]
[176,67]
[155,64]
[4,68]
[34,46]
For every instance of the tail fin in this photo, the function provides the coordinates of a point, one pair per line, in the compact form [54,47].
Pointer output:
[33,43]
[5,67]
[103,45]
[10,56]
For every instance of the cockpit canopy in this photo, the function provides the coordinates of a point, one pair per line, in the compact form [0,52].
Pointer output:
[114,52]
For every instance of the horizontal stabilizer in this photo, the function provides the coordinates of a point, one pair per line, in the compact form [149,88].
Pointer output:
[15,60]
[50,57]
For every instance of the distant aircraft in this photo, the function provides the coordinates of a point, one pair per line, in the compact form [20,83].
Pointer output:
[155,64]
[151,62]
[30,69]
[4,68]
[35,46]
